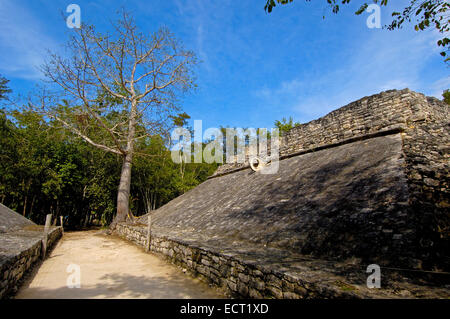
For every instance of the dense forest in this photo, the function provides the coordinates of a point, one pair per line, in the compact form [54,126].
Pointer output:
[44,169]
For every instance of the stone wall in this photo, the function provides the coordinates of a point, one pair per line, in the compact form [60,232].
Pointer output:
[367,183]
[368,115]
[342,202]
[426,144]
[424,123]
[236,277]
[21,258]
[381,112]
[274,274]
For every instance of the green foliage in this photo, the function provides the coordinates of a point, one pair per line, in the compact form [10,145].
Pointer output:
[180,119]
[285,125]
[44,169]
[446,96]
[423,13]
[426,14]
[270,4]
[4,90]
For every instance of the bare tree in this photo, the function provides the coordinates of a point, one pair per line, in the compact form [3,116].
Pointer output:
[117,88]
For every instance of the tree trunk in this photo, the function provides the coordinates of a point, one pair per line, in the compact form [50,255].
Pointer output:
[25,205]
[31,208]
[123,195]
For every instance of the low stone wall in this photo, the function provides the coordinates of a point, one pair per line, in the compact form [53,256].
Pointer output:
[15,265]
[277,277]
[237,278]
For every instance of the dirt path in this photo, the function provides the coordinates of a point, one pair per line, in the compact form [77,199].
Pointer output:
[110,268]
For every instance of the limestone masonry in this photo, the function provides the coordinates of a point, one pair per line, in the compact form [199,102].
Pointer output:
[20,248]
[365,184]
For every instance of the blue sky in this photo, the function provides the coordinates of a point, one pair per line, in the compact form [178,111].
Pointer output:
[256,67]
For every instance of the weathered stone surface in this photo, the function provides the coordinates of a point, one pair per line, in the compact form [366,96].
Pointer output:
[20,247]
[11,221]
[255,294]
[281,274]
[319,203]
[367,182]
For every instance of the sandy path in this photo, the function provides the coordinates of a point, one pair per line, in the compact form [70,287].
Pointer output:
[110,268]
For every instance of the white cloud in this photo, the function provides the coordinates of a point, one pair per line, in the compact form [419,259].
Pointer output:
[196,17]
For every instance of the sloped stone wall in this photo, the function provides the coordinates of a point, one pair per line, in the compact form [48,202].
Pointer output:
[367,183]
[336,203]
[424,123]
[426,144]
[11,221]
[19,253]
